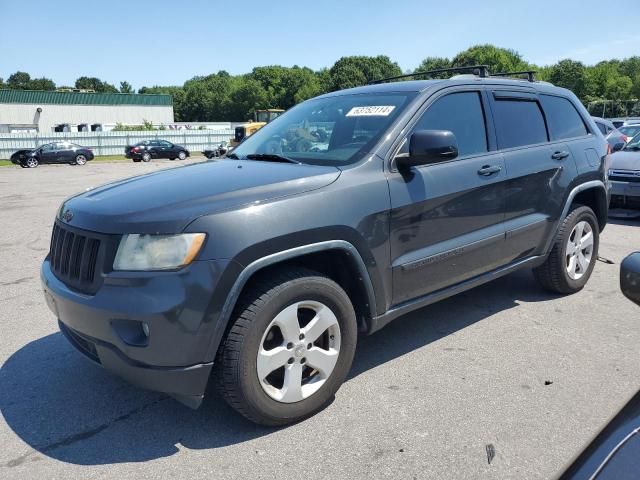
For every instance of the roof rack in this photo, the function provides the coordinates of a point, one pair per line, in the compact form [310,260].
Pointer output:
[481,71]
[531,74]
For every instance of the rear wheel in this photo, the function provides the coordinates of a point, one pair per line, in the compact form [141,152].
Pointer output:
[289,349]
[146,157]
[574,253]
[81,160]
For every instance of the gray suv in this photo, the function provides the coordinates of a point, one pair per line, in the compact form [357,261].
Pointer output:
[260,270]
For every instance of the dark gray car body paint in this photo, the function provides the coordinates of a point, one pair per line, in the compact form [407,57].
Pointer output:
[413,239]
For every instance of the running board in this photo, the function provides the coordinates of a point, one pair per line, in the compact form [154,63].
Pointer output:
[396,311]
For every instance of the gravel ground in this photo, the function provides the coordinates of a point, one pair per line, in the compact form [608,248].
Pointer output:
[532,374]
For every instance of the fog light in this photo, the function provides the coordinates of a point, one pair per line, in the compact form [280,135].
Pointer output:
[145,329]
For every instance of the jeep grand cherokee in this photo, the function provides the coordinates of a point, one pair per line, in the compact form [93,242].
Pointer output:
[260,270]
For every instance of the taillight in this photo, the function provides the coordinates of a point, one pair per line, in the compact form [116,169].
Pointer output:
[609,149]
[135,149]
[625,139]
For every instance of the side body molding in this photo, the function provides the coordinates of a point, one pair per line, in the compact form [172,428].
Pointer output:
[289,254]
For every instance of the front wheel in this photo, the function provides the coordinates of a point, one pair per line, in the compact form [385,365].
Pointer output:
[31,162]
[182,155]
[289,349]
[573,256]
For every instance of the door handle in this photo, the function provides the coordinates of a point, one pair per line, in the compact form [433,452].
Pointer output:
[560,155]
[487,170]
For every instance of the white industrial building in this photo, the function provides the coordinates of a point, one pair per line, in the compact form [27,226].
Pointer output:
[49,111]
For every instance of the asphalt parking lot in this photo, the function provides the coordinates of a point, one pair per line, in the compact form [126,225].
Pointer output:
[532,374]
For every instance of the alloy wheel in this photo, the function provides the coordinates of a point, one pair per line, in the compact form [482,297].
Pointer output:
[298,351]
[32,163]
[579,251]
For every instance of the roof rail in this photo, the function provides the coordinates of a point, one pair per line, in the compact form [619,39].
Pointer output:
[531,74]
[481,71]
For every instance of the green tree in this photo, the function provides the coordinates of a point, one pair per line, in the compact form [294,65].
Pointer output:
[433,63]
[125,87]
[19,81]
[41,84]
[359,70]
[497,59]
[93,83]
[570,74]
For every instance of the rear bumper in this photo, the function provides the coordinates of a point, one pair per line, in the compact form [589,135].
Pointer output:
[107,327]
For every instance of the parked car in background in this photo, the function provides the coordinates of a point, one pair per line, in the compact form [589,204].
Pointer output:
[610,132]
[624,175]
[624,121]
[216,151]
[55,152]
[630,131]
[148,149]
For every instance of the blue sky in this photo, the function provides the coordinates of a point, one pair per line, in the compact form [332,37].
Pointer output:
[167,42]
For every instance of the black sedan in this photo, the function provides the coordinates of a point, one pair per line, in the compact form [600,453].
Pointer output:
[55,152]
[149,149]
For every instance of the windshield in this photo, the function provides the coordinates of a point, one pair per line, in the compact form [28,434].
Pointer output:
[634,143]
[328,131]
[631,130]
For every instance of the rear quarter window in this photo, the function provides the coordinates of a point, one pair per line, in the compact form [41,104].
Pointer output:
[563,118]
[519,122]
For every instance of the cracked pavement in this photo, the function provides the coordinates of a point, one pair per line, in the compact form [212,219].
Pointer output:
[504,381]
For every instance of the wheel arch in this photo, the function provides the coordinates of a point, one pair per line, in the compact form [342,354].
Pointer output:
[593,195]
[337,259]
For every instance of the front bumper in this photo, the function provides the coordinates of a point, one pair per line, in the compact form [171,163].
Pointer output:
[625,194]
[107,327]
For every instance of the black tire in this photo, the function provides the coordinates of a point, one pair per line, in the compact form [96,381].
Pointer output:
[31,163]
[236,366]
[146,157]
[182,155]
[80,160]
[137,160]
[553,274]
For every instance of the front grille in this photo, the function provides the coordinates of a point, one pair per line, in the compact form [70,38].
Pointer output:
[76,256]
[632,176]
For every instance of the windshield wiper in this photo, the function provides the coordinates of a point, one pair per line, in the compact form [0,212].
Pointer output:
[271,157]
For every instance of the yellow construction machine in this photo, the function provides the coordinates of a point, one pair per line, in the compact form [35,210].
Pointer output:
[260,119]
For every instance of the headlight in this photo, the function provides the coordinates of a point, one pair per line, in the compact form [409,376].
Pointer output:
[157,252]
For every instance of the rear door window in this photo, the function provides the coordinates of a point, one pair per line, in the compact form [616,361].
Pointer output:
[601,127]
[519,122]
[563,118]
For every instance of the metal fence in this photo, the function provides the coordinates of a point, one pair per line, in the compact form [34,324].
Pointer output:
[113,143]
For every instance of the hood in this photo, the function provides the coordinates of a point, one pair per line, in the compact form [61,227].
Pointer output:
[625,160]
[167,201]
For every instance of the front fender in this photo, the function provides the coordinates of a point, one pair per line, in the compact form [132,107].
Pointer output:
[223,310]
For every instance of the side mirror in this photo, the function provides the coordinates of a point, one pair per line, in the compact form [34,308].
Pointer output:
[428,146]
[617,147]
[630,277]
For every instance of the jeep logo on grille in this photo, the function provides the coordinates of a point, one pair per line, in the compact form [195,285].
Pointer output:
[67,216]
